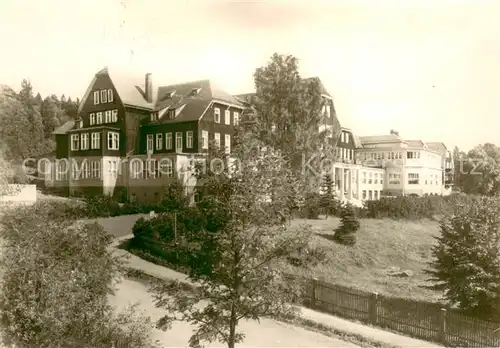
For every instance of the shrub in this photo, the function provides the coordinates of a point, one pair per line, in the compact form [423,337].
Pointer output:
[175,199]
[59,274]
[308,256]
[312,206]
[345,233]
[102,206]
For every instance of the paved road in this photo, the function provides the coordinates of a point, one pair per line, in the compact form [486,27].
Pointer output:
[268,333]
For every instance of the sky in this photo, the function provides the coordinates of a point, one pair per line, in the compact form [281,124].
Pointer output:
[428,69]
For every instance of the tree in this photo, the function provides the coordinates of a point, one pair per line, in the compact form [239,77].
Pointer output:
[480,172]
[52,116]
[466,258]
[6,174]
[346,232]
[246,281]
[57,276]
[328,201]
[291,114]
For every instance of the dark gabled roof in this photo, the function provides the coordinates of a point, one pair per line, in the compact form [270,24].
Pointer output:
[63,129]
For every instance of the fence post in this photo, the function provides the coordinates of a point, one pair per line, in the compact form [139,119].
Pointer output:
[314,292]
[372,308]
[442,326]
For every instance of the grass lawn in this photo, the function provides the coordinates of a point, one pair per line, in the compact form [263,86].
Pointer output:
[381,244]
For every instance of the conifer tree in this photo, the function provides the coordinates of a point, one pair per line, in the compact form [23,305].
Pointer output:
[346,232]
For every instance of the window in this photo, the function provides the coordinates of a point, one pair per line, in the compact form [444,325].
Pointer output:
[167,168]
[113,140]
[347,137]
[227,143]
[104,96]
[86,170]
[171,114]
[61,170]
[364,177]
[327,108]
[217,139]
[149,143]
[394,179]
[342,136]
[107,116]
[92,118]
[96,97]
[189,140]
[114,115]
[75,142]
[84,141]
[113,169]
[96,141]
[96,169]
[413,178]
[204,139]
[375,194]
[99,117]
[159,141]
[217,115]
[75,172]
[136,169]
[178,141]
[370,175]
[80,124]
[376,178]
[382,178]
[168,141]
[236,118]
[227,117]
[364,194]
[370,195]
[110,95]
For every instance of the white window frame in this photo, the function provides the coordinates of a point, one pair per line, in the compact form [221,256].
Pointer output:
[216,115]
[327,108]
[96,97]
[217,139]
[227,143]
[178,136]
[204,139]
[75,142]
[113,169]
[61,171]
[168,141]
[107,116]
[236,118]
[110,95]
[149,143]
[159,141]
[189,139]
[113,140]
[114,115]
[84,141]
[96,169]
[104,96]
[92,118]
[99,117]
[136,169]
[227,117]
[95,141]
[167,167]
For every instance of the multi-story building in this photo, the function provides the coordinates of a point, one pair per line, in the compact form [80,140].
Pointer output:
[134,138]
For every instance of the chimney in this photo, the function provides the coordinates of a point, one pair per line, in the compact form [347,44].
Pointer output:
[149,88]
[394,132]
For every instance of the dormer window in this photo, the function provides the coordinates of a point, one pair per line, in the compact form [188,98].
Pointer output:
[196,91]
[171,114]
[170,94]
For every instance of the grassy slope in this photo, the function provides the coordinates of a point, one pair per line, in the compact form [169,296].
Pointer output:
[381,244]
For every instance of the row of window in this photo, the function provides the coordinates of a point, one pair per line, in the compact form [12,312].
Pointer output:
[110,116]
[381,155]
[227,117]
[344,137]
[103,96]
[87,170]
[372,178]
[157,144]
[151,169]
[344,154]
[81,141]
[414,179]
[372,195]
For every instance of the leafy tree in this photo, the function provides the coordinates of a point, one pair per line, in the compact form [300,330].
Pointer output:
[480,172]
[6,174]
[346,232]
[52,115]
[466,262]
[246,281]
[290,113]
[57,276]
